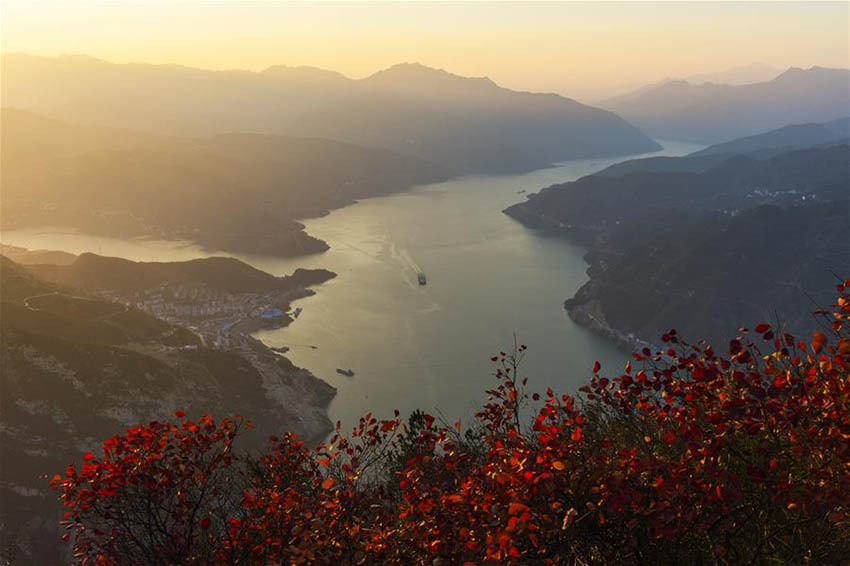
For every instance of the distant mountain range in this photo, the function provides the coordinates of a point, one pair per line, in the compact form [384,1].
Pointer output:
[745,74]
[710,241]
[710,112]
[233,192]
[787,137]
[761,146]
[467,125]
[741,75]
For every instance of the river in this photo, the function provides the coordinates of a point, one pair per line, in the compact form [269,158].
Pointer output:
[414,346]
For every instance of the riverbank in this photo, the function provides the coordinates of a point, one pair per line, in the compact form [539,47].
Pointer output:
[583,308]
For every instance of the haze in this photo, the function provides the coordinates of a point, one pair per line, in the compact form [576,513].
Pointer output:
[584,50]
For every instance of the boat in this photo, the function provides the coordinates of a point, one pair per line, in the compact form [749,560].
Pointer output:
[347,372]
[421,278]
[519,192]
[297,312]
[280,349]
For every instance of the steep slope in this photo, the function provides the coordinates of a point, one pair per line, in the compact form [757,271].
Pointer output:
[704,250]
[715,112]
[76,367]
[472,125]
[465,124]
[718,274]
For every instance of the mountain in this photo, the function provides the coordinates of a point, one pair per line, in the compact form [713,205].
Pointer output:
[598,204]
[629,95]
[471,125]
[232,192]
[704,243]
[468,125]
[759,146]
[744,74]
[306,75]
[169,99]
[76,367]
[24,256]
[719,273]
[787,137]
[99,273]
[716,112]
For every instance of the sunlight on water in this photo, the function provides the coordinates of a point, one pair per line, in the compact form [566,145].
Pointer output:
[428,346]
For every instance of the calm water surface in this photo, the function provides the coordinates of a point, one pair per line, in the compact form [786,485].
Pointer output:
[415,346]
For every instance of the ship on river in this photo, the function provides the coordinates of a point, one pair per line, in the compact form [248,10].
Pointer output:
[421,277]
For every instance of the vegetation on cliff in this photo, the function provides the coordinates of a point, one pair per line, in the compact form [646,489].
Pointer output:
[688,456]
[705,242]
[75,364]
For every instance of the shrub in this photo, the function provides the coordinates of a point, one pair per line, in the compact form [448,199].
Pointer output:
[686,457]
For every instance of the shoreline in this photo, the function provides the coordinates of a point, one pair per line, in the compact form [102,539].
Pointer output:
[582,308]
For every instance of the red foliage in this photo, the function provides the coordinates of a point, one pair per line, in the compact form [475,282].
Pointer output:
[686,457]
[153,496]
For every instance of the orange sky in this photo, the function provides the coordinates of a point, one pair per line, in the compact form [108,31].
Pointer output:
[585,50]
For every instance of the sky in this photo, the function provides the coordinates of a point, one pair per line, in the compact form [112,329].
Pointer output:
[583,49]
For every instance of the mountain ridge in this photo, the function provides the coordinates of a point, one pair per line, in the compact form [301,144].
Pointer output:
[271,181]
[694,242]
[485,128]
[711,112]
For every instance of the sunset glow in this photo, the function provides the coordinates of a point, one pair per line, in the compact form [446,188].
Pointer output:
[580,49]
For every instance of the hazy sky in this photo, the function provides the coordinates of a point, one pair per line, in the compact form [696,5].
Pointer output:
[581,49]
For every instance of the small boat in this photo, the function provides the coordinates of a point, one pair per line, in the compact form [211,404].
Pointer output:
[280,349]
[346,372]
[421,277]
[297,312]
[519,192]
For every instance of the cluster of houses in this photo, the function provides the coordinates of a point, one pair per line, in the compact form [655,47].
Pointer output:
[210,312]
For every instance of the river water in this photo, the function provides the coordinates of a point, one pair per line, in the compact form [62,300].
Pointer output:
[414,346]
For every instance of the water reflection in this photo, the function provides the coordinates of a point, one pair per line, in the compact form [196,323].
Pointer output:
[414,346]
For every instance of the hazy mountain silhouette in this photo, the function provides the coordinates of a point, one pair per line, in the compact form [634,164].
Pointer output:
[306,74]
[234,192]
[759,146]
[787,137]
[715,112]
[470,125]
[466,124]
[744,74]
